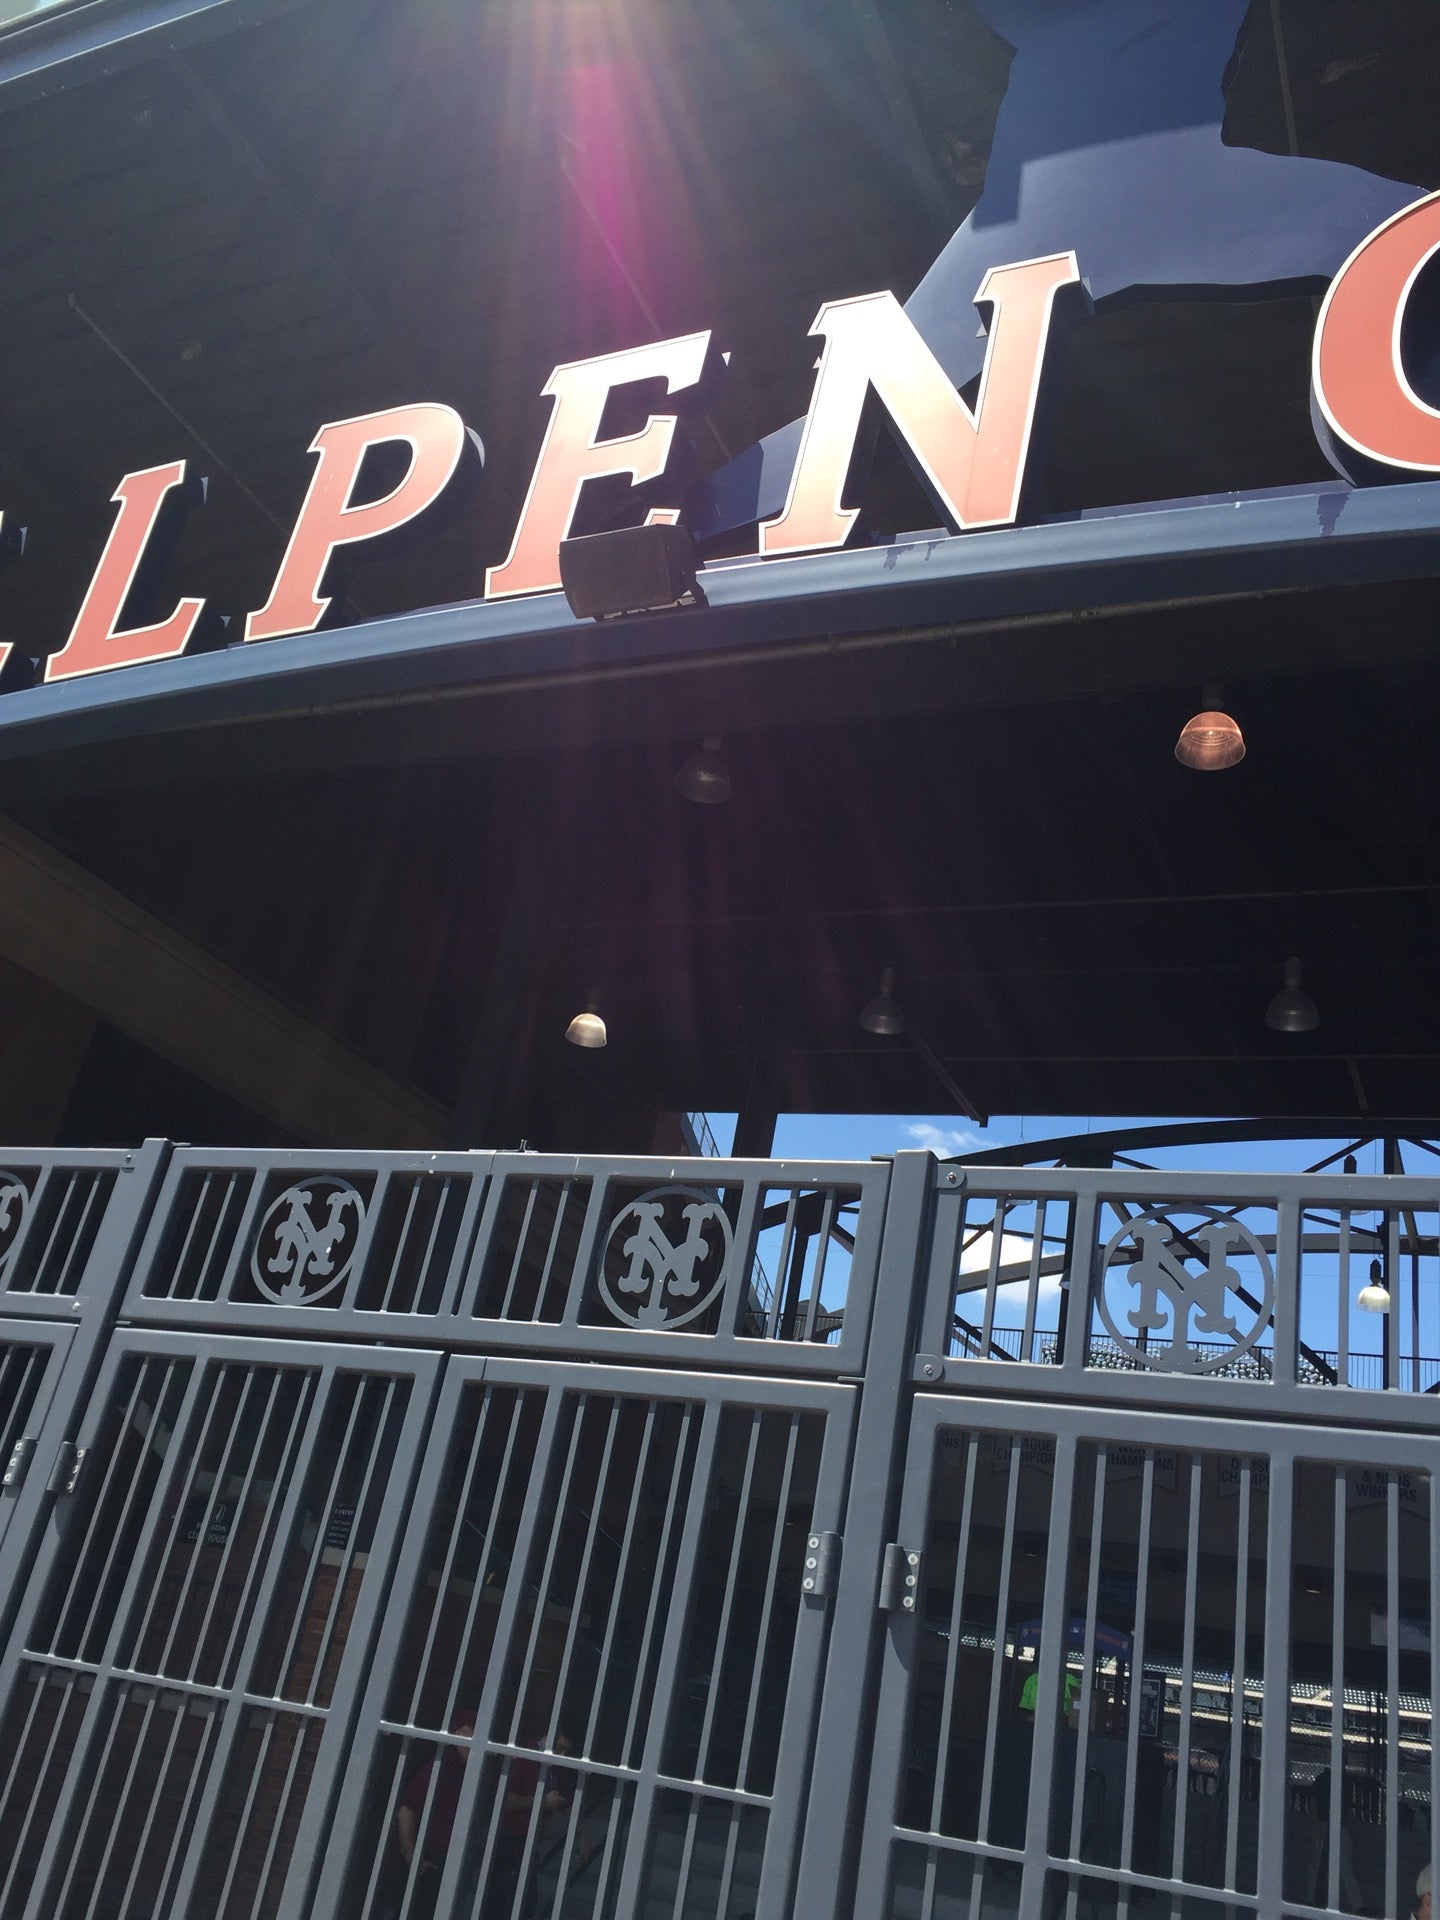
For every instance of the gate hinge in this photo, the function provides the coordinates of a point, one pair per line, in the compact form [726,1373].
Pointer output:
[822,1565]
[18,1465]
[65,1474]
[900,1580]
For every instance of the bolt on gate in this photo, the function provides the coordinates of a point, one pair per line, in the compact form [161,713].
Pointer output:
[396,1536]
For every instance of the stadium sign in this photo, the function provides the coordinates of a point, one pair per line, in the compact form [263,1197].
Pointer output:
[971,459]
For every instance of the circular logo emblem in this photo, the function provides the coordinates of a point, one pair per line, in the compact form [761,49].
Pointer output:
[665,1258]
[1173,1295]
[14,1205]
[306,1244]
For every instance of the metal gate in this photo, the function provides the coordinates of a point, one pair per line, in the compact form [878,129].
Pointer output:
[1104,1702]
[1162,1603]
[68,1231]
[602,1664]
[515,1538]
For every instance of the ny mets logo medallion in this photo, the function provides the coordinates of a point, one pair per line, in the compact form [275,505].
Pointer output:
[666,1257]
[1174,1297]
[307,1241]
[14,1204]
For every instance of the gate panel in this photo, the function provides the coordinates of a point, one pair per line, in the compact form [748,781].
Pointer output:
[1313,1297]
[177,1695]
[1158,1660]
[598,1679]
[755,1266]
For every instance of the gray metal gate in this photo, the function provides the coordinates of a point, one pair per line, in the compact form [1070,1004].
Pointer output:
[1095,1709]
[180,1682]
[611,1571]
[398,1536]
[1163,1608]
[69,1225]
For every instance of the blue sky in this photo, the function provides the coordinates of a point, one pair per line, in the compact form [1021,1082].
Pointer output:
[858,1136]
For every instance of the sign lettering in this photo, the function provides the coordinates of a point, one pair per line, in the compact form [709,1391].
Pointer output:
[971,458]
[153,505]
[1363,401]
[437,439]
[573,451]
[971,464]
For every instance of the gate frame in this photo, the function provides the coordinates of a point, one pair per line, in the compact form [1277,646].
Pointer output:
[814,1639]
[1284,1445]
[330,1361]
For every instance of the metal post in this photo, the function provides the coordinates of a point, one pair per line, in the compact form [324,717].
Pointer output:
[832,1827]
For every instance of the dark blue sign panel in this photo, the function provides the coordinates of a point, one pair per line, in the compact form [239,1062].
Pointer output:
[1110,142]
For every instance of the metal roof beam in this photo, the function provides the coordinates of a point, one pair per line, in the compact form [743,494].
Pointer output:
[72,931]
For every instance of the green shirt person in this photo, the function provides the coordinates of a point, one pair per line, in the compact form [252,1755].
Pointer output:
[1031,1689]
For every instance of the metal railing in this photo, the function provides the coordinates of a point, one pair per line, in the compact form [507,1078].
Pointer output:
[1042,1348]
[1162,1281]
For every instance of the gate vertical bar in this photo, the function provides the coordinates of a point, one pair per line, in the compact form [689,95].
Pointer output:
[1275,1707]
[827,1855]
[1238,1673]
[676,1631]
[1051,1663]
[1087,1670]
[1137,1674]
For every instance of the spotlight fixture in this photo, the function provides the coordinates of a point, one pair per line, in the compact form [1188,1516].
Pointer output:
[587,1029]
[705,776]
[1374,1297]
[1292,1010]
[882,1015]
[1210,740]
[629,570]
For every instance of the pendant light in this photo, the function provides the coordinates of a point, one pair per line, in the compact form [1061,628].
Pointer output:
[705,776]
[587,1029]
[1375,1297]
[1292,1010]
[1210,740]
[882,1015]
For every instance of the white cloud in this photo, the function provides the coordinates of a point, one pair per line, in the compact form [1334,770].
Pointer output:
[1017,1253]
[942,1140]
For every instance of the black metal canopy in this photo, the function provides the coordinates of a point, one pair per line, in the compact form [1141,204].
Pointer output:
[429,834]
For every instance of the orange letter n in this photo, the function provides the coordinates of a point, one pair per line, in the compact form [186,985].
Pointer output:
[972,464]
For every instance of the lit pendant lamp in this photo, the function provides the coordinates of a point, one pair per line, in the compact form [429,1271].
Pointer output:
[1210,740]
[1374,1298]
[882,1015]
[1292,1010]
[587,1029]
[705,776]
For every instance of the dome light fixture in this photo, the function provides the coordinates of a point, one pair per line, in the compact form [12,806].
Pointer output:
[1292,1010]
[882,1015]
[587,1029]
[1375,1296]
[705,776]
[1210,740]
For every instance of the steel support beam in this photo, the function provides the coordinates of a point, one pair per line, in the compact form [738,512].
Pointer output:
[73,932]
